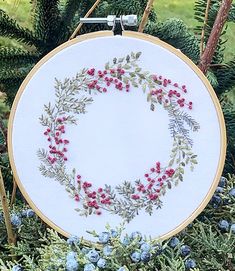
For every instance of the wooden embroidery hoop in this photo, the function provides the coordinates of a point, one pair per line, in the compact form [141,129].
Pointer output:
[154,41]
[206,57]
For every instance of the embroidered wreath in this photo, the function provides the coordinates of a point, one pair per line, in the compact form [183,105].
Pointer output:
[128,198]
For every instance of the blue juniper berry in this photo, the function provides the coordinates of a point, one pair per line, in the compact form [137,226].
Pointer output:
[190,263]
[232,192]
[104,237]
[93,256]
[135,257]
[145,247]
[223,225]
[145,256]
[71,264]
[232,228]
[174,242]
[136,235]
[16,220]
[126,240]
[101,263]
[223,182]
[185,250]
[107,250]
[114,233]
[89,267]
[28,213]
[73,240]
[17,268]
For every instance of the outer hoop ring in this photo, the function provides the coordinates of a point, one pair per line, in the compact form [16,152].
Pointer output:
[153,40]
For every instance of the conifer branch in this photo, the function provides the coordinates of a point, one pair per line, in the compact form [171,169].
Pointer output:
[9,28]
[204,26]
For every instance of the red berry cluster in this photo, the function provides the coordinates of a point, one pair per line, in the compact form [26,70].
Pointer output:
[93,199]
[57,147]
[155,181]
[173,92]
[107,77]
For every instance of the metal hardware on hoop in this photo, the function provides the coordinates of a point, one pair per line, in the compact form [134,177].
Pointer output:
[118,27]
[115,22]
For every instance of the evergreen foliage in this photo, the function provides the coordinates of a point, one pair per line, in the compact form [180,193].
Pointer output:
[176,33]
[229,116]
[54,22]
[209,242]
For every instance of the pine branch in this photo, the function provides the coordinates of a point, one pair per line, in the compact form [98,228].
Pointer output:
[10,82]
[204,26]
[68,13]
[225,76]
[176,33]
[199,14]
[10,56]
[47,22]
[11,74]
[229,116]
[212,79]
[231,16]
[9,28]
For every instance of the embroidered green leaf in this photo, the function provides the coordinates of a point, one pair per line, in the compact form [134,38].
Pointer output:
[107,66]
[138,55]
[126,66]
[171,163]
[194,161]
[144,87]
[125,79]
[120,60]
[181,170]
[134,84]
[152,107]
[149,97]
[132,74]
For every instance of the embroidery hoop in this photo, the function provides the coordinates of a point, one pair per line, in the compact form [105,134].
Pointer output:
[154,41]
